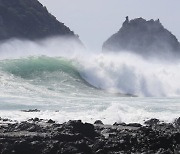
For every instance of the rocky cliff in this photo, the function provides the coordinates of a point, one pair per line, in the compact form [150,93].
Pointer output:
[143,37]
[29,19]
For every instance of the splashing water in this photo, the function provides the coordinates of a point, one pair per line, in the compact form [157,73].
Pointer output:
[85,85]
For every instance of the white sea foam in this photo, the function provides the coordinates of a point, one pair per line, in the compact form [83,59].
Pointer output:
[50,83]
[122,111]
[130,74]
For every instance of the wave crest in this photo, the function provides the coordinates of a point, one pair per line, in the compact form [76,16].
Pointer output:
[130,74]
[35,66]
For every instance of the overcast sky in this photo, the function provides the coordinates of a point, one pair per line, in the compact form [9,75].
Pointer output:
[96,20]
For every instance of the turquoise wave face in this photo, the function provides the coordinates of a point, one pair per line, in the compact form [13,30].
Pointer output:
[43,76]
[31,67]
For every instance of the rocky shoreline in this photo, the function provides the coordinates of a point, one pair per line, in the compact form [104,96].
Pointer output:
[37,136]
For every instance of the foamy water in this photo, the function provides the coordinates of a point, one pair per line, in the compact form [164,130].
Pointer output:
[79,84]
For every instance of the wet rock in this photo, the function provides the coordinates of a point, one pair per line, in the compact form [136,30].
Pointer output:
[98,122]
[23,147]
[67,137]
[177,121]
[176,137]
[130,124]
[5,119]
[98,146]
[152,122]
[134,125]
[36,119]
[85,129]
[121,124]
[32,137]
[31,110]
[83,146]
[50,121]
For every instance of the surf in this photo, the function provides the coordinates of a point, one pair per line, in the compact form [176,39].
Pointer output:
[81,84]
[120,73]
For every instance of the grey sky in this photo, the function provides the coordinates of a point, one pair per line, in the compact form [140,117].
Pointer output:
[95,20]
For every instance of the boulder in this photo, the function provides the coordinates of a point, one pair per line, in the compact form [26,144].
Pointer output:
[98,122]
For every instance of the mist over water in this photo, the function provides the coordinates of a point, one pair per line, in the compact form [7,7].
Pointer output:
[55,46]
[66,81]
[131,74]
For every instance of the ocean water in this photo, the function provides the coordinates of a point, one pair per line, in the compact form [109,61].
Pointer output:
[66,82]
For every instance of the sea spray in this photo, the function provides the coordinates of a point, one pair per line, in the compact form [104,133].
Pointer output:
[124,73]
[81,84]
[109,110]
[53,47]
[131,74]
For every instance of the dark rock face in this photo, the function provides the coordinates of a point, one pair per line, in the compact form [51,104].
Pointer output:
[143,37]
[37,136]
[29,19]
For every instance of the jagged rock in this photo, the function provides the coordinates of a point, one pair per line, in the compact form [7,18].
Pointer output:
[98,122]
[50,121]
[130,124]
[75,137]
[177,121]
[31,110]
[29,19]
[117,124]
[134,125]
[152,122]
[86,129]
[145,37]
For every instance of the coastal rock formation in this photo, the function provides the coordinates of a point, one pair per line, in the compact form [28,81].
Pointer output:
[37,136]
[29,19]
[145,37]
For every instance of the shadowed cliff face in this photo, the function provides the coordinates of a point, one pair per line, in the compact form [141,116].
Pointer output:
[29,19]
[143,37]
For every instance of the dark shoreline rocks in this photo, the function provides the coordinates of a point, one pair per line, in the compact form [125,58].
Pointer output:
[36,136]
[31,110]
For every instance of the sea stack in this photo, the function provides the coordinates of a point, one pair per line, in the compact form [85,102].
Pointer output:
[145,37]
[29,19]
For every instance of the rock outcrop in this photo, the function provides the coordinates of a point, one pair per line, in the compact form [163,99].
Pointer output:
[143,37]
[36,136]
[29,19]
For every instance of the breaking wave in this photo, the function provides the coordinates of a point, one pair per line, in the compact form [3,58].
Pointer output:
[125,74]
[131,74]
[85,85]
